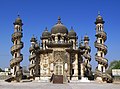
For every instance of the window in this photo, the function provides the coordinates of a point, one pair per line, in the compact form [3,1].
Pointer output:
[14,69]
[15,55]
[101,54]
[101,68]
[101,41]
[15,42]
[100,27]
[72,71]
[58,38]
[45,44]
[32,72]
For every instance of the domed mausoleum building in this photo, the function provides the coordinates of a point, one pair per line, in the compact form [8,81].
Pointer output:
[58,54]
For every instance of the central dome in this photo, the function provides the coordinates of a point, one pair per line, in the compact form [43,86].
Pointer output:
[59,28]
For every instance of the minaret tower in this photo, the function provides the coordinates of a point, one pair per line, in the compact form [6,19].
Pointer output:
[34,58]
[17,57]
[101,48]
[87,56]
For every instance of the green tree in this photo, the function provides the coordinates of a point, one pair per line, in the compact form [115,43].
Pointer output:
[113,65]
[1,70]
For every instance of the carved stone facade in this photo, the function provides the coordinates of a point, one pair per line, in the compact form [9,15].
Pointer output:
[59,54]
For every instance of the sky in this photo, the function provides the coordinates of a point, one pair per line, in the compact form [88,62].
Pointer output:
[39,14]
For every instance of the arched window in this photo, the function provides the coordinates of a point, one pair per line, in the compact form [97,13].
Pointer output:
[101,68]
[15,42]
[100,27]
[101,54]
[32,72]
[15,55]
[101,41]
[72,43]
[45,44]
[59,38]
[14,70]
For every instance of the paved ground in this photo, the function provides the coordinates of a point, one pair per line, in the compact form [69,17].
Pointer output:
[38,85]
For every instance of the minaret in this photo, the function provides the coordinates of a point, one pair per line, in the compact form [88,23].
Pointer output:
[17,57]
[82,67]
[87,56]
[34,58]
[101,48]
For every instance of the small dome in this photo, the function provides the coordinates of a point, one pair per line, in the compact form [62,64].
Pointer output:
[59,28]
[99,19]
[86,38]
[33,39]
[46,33]
[72,32]
[18,21]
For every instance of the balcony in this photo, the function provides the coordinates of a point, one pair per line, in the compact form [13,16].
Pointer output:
[16,35]
[32,57]
[101,46]
[31,49]
[31,66]
[87,56]
[101,33]
[16,47]
[16,60]
[101,60]
[59,44]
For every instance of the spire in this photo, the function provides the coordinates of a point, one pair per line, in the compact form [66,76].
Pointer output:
[18,21]
[86,38]
[81,41]
[71,27]
[59,20]
[99,19]
[33,39]
[33,36]
[98,13]
[18,15]
[46,29]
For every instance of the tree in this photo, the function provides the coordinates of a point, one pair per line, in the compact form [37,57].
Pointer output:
[113,65]
[1,70]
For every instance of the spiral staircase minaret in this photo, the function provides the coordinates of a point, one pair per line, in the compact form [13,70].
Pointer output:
[17,57]
[87,57]
[34,58]
[101,36]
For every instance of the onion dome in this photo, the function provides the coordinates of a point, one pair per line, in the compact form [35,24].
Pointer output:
[18,21]
[86,38]
[72,33]
[46,33]
[59,28]
[99,19]
[33,39]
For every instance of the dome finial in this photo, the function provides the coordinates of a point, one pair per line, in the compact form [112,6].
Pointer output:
[33,36]
[46,29]
[71,27]
[18,16]
[85,34]
[59,20]
[98,12]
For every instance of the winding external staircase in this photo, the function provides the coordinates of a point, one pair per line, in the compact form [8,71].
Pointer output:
[17,57]
[101,51]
